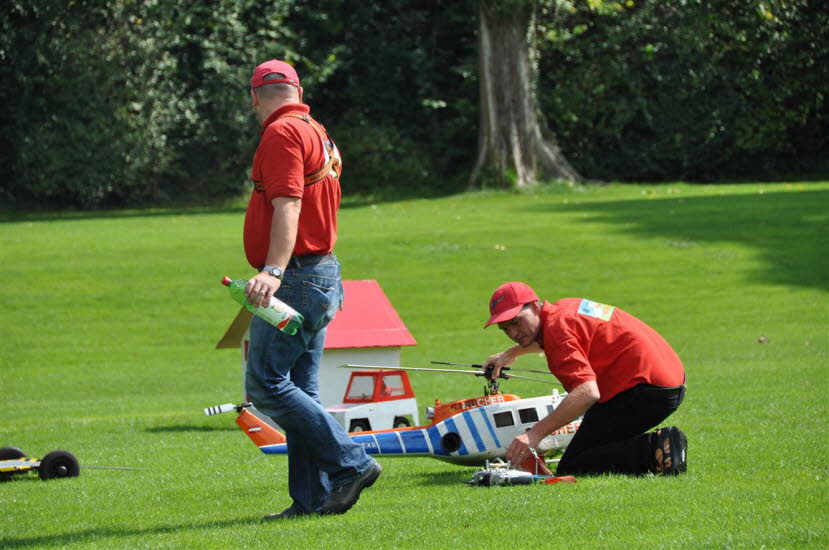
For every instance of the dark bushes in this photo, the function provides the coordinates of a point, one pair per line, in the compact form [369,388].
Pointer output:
[127,103]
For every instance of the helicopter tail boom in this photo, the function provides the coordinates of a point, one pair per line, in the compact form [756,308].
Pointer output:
[262,434]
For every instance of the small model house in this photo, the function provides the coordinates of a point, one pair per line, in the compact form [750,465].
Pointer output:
[367,331]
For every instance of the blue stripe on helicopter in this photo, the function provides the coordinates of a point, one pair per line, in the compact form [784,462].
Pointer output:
[489,425]
[368,442]
[474,429]
[389,443]
[450,424]
[276,449]
[434,437]
[415,441]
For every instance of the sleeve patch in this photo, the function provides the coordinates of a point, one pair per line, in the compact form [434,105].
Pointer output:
[595,309]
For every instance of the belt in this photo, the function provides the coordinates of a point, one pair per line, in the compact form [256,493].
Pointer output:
[650,389]
[309,259]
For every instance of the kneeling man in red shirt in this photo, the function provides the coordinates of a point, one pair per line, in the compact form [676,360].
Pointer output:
[619,373]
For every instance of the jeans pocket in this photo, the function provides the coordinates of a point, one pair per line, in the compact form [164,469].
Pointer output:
[321,299]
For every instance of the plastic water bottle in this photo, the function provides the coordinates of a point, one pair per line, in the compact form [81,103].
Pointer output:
[277,312]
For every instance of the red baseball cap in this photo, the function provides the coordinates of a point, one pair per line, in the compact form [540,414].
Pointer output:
[507,301]
[274,66]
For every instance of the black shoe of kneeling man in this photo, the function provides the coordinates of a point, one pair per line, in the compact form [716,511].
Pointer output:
[671,451]
[343,498]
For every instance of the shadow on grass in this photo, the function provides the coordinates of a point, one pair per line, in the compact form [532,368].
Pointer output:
[33,213]
[454,478]
[96,534]
[17,216]
[789,229]
[190,428]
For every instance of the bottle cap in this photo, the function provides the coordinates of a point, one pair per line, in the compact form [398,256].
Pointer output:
[226,281]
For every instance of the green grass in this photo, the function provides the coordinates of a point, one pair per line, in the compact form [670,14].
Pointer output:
[110,321]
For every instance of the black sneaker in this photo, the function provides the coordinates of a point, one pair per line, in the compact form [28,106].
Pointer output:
[670,451]
[343,498]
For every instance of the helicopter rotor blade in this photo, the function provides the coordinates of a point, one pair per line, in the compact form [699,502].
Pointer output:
[456,371]
[475,365]
[371,367]
[479,366]
[555,383]
[534,371]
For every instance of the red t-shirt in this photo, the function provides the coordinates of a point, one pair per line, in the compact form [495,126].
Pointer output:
[289,149]
[585,340]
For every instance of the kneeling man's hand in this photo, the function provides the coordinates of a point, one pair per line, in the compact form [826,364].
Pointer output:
[522,447]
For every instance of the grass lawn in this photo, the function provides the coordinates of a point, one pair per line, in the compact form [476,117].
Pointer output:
[107,350]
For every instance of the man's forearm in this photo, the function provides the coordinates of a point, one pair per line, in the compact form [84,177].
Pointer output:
[517,350]
[262,286]
[283,230]
[507,357]
[574,405]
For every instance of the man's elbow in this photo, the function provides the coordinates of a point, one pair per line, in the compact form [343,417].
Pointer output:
[287,203]
[590,391]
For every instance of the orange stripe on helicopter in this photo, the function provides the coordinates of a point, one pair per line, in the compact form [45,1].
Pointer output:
[258,430]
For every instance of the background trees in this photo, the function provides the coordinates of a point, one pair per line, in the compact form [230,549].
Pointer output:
[696,89]
[145,101]
[131,101]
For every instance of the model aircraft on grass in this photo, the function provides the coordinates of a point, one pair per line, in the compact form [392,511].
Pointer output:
[467,431]
[54,465]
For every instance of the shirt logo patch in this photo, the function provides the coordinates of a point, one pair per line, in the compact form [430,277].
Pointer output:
[258,187]
[595,309]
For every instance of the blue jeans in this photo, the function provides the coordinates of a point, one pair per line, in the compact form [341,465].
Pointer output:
[282,382]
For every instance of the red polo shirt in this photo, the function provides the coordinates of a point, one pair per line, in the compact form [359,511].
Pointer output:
[288,149]
[586,340]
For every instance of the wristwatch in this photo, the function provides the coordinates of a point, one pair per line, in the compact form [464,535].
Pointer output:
[273,270]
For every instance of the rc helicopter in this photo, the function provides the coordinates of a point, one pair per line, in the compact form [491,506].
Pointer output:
[466,432]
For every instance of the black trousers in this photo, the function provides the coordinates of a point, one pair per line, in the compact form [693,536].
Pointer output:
[612,438]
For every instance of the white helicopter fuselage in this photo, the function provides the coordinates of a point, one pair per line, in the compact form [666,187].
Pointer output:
[471,436]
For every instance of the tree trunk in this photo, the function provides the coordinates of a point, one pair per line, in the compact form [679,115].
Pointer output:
[511,147]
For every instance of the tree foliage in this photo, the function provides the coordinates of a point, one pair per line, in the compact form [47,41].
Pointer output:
[402,103]
[139,101]
[697,89]
[133,100]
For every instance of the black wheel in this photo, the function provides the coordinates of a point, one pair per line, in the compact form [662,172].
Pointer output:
[59,464]
[401,422]
[359,425]
[10,453]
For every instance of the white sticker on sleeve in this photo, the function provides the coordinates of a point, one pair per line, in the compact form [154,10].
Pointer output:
[595,309]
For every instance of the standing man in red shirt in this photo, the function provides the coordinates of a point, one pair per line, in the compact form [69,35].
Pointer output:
[619,373]
[290,232]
